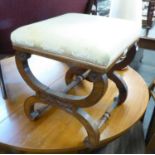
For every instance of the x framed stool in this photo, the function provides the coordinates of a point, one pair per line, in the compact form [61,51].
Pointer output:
[94,50]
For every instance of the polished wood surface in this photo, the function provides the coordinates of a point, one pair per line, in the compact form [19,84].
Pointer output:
[57,131]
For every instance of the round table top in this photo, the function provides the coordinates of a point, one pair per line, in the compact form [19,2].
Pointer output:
[57,131]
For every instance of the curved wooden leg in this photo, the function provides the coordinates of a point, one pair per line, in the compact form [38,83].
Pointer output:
[127,59]
[90,125]
[84,118]
[29,108]
[100,83]
[31,111]
[72,72]
[69,103]
[121,85]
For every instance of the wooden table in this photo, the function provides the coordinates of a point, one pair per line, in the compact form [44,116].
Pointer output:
[57,131]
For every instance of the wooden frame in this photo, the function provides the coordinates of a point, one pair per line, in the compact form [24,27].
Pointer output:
[74,105]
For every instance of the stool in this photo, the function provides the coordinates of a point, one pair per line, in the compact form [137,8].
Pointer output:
[94,47]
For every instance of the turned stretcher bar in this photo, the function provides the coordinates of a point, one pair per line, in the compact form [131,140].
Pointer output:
[92,63]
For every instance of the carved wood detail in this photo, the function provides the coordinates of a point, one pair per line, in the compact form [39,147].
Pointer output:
[74,104]
[126,59]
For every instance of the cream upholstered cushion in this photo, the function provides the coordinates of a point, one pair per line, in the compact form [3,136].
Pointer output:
[94,39]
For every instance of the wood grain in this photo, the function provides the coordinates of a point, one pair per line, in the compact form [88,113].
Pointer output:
[58,131]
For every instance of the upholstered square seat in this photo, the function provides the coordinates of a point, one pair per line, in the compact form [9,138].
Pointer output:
[87,39]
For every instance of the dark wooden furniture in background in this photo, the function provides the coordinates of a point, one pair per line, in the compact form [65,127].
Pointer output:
[148,17]
[15,13]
